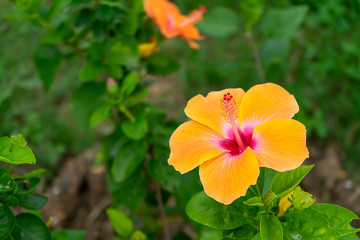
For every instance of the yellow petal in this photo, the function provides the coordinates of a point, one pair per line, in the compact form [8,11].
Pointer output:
[147,49]
[265,102]
[227,177]
[209,110]
[280,144]
[284,204]
[191,144]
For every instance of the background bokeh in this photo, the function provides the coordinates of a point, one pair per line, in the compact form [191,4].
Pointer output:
[311,48]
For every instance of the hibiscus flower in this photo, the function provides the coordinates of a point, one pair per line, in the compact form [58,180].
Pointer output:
[172,23]
[233,133]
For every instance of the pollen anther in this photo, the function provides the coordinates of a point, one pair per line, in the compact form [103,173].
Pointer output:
[229,108]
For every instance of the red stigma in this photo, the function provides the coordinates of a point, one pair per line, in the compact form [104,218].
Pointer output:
[227,97]
[203,9]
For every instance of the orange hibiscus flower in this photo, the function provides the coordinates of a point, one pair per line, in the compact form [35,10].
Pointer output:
[233,133]
[172,23]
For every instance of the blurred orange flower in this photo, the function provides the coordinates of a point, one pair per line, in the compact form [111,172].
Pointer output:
[233,133]
[172,23]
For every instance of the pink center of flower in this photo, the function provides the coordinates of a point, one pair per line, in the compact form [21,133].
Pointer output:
[238,140]
[232,145]
[170,21]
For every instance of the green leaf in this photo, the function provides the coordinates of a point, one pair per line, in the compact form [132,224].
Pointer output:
[349,237]
[35,212]
[96,51]
[47,59]
[270,200]
[124,52]
[27,186]
[251,11]
[28,6]
[90,71]
[14,151]
[6,182]
[19,139]
[30,227]
[32,201]
[67,234]
[130,22]
[137,97]
[307,224]
[207,211]
[115,71]
[301,199]
[138,235]
[257,237]
[129,84]
[211,235]
[135,130]
[219,22]
[131,192]
[161,64]
[270,228]
[338,217]
[99,31]
[86,99]
[105,13]
[275,50]
[259,186]
[285,22]
[7,221]
[10,200]
[244,232]
[53,9]
[159,169]
[36,173]
[127,159]
[84,17]
[100,114]
[255,201]
[121,223]
[79,3]
[269,174]
[284,182]
[115,4]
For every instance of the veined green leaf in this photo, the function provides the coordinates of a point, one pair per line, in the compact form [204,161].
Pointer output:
[338,217]
[284,182]
[121,223]
[209,212]
[15,151]
[30,227]
[270,228]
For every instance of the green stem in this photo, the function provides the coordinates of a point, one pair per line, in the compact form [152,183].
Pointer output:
[257,57]
[258,190]
[11,168]
[165,226]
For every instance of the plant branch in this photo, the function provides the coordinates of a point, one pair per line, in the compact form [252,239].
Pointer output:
[162,212]
[257,58]
[11,168]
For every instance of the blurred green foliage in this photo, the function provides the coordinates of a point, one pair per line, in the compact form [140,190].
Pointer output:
[71,48]
[18,191]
